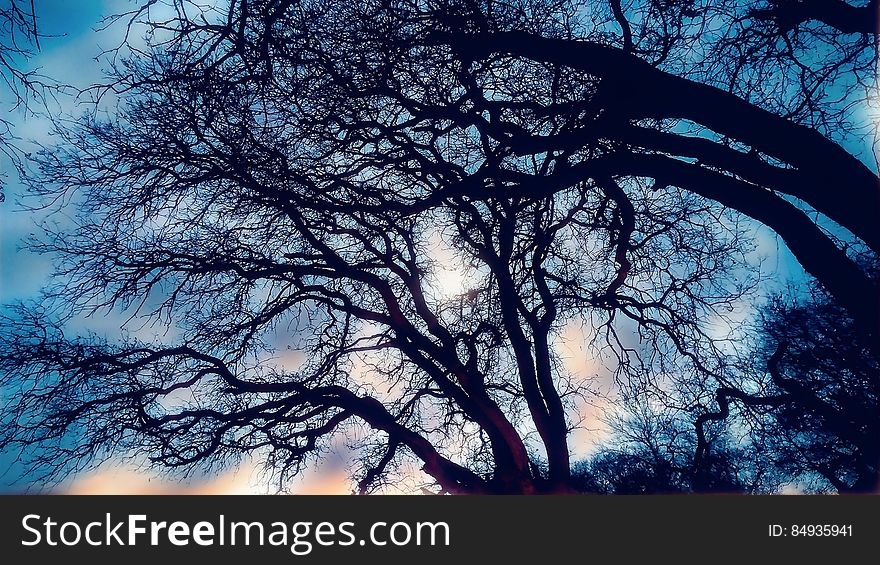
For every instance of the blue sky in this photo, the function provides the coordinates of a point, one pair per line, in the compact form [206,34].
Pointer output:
[68,52]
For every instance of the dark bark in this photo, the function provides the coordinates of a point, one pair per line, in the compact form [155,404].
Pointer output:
[840,15]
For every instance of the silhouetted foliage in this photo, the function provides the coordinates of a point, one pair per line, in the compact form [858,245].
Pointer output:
[300,174]
[807,396]
[831,425]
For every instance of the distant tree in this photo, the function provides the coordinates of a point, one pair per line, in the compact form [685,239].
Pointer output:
[652,451]
[814,411]
[294,167]
[831,424]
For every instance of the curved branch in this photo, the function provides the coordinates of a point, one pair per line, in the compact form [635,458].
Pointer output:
[638,90]
[722,398]
[625,28]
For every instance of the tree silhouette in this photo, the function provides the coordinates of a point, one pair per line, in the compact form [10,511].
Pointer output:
[829,424]
[297,169]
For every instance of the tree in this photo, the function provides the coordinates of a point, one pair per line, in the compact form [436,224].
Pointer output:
[652,451]
[829,425]
[295,166]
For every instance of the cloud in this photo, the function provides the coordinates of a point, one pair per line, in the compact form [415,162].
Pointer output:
[573,347]
[119,478]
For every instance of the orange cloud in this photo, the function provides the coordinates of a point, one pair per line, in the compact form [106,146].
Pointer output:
[127,479]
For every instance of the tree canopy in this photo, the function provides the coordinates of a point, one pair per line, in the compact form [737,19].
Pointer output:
[270,175]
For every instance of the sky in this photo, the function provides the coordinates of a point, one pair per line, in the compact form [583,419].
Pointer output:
[66,53]
[69,53]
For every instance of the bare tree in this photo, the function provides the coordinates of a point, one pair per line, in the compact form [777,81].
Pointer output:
[294,167]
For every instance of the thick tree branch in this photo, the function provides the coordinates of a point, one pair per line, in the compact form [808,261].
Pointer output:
[842,16]
[635,89]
